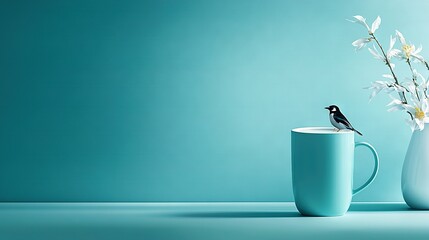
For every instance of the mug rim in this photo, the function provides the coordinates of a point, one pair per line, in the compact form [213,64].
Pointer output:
[307,130]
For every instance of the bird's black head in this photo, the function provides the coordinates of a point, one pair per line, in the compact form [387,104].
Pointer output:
[333,108]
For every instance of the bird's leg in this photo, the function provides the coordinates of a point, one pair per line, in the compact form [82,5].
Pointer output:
[338,129]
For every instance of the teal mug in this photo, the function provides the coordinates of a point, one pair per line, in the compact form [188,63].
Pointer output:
[322,170]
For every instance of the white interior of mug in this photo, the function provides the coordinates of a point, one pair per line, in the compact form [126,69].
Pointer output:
[321,130]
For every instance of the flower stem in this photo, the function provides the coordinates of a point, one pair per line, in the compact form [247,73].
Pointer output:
[401,94]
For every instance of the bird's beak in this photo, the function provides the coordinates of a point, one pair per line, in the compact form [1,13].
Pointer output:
[327,108]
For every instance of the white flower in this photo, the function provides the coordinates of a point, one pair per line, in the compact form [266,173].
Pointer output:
[420,114]
[386,86]
[409,85]
[377,87]
[388,76]
[362,21]
[375,24]
[396,105]
[392,52]
[376,54]
[423,86]
[408,50]
[360,43]
[418,111]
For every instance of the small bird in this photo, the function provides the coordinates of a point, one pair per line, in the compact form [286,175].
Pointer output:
[338,120]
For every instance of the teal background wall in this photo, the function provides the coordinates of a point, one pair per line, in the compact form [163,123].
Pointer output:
[187,100]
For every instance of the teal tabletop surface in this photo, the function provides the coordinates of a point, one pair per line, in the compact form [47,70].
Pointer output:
[248,221]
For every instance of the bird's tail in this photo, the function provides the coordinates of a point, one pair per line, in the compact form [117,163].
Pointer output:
[357,132]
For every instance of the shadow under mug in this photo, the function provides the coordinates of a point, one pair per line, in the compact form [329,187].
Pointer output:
[322,170]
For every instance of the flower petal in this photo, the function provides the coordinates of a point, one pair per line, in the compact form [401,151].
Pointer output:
[389,76]
[361,20]
[418,50]
[401,37]
[392,42]
[376,54]
[424,103]
[376,24]
[421,124]
[418,57]
[360,43]
[394,102]
[393,53]
[399,54]
[373,94]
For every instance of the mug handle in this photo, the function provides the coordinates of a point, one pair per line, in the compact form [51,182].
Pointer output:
[376,166]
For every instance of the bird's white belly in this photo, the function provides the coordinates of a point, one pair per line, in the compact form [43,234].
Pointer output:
[334,123]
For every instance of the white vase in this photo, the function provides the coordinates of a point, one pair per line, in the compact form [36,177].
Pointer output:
[415,172]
